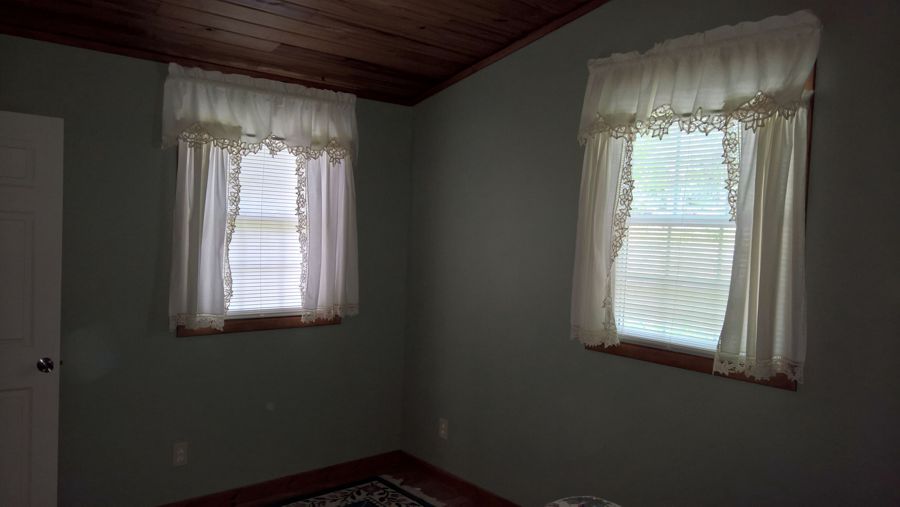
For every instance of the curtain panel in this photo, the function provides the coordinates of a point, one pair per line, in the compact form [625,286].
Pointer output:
[216,120]
[197,281]
[746,80]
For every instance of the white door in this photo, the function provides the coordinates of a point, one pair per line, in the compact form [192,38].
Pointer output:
[31,163]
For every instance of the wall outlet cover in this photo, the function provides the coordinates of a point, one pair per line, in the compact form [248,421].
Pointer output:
[443,428]
[179,454]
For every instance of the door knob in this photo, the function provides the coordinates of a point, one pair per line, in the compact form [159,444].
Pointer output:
[45,365]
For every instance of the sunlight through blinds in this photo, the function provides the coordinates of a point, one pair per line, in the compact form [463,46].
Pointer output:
[673,273]
[265,255]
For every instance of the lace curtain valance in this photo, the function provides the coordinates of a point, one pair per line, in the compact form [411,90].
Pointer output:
[241,112]
[749,72]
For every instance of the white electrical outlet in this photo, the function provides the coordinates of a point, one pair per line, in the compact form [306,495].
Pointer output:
[443,428]
[179,454]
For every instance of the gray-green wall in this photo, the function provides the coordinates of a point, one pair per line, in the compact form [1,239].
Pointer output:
[129,388]
[478,187]
[532,415]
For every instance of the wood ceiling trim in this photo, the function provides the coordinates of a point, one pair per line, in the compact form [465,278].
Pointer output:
[248,21]
[471,14]
[423,41]
[411,20]
[333,29]
[356,17]
[162,25]
[195,42]
[512,48]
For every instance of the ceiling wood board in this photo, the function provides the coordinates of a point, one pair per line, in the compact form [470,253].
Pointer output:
[399,51]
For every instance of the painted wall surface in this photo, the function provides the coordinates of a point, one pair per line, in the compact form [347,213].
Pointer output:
[489,220]
[129,387]
[532,415]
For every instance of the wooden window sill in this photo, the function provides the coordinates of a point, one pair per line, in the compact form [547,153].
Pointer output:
[256,324]
[688,362]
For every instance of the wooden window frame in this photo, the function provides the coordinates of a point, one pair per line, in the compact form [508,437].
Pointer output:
[256,324]
[696,362]
[701,364]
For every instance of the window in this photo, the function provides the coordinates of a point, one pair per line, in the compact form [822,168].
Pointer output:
[264,222]
[266,262]
[673,272]
[690,243]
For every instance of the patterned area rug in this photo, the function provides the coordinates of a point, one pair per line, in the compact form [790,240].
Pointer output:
[375,492]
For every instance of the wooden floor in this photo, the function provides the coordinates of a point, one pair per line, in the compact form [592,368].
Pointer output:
[432,481]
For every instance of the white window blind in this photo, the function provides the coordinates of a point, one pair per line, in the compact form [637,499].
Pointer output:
[673,273]
[265,256]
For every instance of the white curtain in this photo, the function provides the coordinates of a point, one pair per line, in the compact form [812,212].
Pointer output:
[241,108]
[196,287]
[703,76]
[331,287]
[217,119]
[752,75]
[592,305]
[764,333]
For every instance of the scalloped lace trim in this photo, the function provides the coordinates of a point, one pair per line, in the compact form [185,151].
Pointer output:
[608,336]
[604,337]
[234,209]
[303,221]
[752,114]
[199,321]
[731,155]
[624,197]
[196,136]
[329,312]
[727,364]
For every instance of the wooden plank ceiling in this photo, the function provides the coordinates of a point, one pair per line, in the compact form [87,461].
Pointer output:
[397,51]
